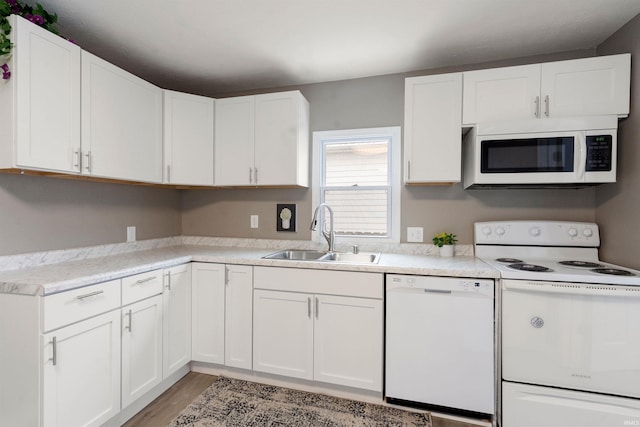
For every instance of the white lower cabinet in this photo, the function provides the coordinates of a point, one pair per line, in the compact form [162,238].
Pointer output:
[81,372]
[334,338]
[141,348]
[176,315]
[222,314]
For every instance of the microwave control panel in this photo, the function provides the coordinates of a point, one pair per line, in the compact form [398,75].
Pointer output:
[599,151]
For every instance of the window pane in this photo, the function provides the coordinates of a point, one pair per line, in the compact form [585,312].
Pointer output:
[358,212]
[357,163]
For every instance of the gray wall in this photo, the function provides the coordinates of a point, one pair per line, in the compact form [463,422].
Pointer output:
[40,213]
[618,205]
[372,102]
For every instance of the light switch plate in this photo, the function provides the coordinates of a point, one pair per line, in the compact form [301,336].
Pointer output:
[254,221]
[415,234]
[131,233]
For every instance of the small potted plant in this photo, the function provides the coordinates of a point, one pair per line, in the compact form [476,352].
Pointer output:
[285,216]
[445,242]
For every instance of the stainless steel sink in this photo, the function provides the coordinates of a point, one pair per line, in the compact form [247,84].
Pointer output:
[348,257]
[321,256]
[297,255]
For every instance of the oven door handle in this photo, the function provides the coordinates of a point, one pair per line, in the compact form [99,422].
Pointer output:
[589,289]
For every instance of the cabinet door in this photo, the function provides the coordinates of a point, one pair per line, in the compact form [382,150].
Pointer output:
[234,141]
[281,139]
[188,139]
[121,123]
[283,333]
[348,341]
[433,139]
[176,326]
[141,348]
[590,86]
[499,94]
[81,372]
[47,74]
[208,312]
[238,316]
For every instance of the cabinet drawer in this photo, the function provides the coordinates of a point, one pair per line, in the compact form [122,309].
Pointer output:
[71,306]
[141,286]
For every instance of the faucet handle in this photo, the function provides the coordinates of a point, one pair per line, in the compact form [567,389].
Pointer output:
[355,249]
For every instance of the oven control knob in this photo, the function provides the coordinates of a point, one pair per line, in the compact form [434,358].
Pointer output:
[573,232]
[486,230]
[534,231]
[587,232]
[500,231]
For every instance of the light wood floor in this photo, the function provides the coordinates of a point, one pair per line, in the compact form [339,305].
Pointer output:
[169,404]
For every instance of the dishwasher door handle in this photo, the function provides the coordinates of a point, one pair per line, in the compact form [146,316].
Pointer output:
[437,291]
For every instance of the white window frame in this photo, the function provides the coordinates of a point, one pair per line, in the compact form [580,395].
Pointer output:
[395,164]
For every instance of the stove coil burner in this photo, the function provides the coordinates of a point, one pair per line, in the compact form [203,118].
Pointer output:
[509,260]
[583,264]
[529,267]
[613,271]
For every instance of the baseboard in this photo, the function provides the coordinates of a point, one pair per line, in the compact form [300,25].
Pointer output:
[304,385]
[127,413]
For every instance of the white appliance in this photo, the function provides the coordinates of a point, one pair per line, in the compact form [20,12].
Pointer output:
[567,152]
[440,344]
[570,326]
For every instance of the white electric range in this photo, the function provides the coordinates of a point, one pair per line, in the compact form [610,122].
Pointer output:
[570,326]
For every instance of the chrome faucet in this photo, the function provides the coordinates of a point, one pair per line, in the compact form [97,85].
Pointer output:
[330,235]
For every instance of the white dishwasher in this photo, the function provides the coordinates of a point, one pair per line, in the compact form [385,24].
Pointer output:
[440,343]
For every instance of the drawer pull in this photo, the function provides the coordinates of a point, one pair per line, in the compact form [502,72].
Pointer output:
[54,356]
[141,281]
[90,294]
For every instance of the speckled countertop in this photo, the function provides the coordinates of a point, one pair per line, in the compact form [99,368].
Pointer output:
[51,272]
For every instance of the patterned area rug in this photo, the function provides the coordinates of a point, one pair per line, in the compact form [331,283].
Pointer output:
[231,402]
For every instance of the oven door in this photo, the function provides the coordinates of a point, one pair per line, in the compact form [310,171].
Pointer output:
[532,158]
[570,335]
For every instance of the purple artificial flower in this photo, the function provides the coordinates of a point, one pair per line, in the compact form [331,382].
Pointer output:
[6,74]
[15,7]
[36,19]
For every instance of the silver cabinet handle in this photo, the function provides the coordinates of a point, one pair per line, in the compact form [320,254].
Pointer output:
[317,311]
[546,105]
[226,275]
[168,173]
[90,294]
[309,307]
[250,175]
[536,111]
[255,175]
[77,159]
[54,354]
[88,165]
[129,314]
[408,170]
[169,280]
[141,281]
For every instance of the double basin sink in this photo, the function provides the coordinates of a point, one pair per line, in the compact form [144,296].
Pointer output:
[320,256]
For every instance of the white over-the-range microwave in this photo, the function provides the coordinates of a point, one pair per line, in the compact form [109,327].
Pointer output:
[567,152]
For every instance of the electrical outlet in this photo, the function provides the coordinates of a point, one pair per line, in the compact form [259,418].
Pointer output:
[254,221]
[415,235]
[131,233]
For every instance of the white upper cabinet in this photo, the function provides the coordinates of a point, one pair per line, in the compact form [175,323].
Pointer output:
[121,123]
[432,129]
[262,140]
[580,87]
[40,123]
[591,86]
[234,141]
[501,94]
[281,139]
[188,139]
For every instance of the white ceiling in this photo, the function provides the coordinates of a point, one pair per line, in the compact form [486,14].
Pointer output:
[218,46]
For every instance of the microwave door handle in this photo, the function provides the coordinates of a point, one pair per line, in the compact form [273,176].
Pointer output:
[582,157]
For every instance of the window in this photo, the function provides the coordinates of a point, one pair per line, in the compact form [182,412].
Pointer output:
[357,173]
